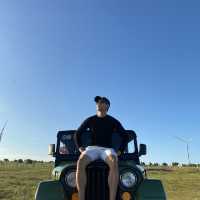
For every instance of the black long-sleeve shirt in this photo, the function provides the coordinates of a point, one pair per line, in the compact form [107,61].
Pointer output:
[102,129]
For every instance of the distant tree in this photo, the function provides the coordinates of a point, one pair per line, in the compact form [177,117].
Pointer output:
[28,161]
[155,164]
[164,164]
[174,164]
[184,165]
[20,161]
[142,163]
[150,164]
[5,160]
[192,165]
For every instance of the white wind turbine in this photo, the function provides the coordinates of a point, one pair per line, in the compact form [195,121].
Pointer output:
[187,144]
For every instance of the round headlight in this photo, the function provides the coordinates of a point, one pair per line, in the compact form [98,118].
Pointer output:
[70,179]
[128,179]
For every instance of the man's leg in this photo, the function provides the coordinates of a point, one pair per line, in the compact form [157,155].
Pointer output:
[81,178]
[113,177]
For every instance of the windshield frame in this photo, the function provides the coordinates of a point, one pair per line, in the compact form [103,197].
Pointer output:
[123,156]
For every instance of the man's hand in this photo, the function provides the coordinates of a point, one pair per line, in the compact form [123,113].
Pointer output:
[119,153]
[81,149]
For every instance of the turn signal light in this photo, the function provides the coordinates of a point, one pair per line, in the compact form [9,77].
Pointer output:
[126,196]
[75,196]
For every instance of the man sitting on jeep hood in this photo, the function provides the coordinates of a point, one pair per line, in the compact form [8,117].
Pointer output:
[102,126]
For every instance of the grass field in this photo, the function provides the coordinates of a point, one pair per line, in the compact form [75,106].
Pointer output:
[179,183]
[19,181]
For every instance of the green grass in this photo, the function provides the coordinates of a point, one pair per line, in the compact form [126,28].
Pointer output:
[19,181]
[179,183]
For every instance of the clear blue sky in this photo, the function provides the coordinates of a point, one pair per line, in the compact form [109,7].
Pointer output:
[55,56]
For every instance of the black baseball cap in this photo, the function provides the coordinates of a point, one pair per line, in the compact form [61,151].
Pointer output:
[98,98]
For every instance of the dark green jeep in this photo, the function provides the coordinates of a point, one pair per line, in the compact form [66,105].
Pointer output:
[133,183]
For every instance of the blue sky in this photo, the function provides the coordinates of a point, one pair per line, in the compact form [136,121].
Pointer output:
[55,56]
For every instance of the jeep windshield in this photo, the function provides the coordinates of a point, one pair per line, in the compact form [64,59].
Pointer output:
[67,146]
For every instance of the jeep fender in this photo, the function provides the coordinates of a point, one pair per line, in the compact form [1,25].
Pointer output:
[151,189]
[50,190]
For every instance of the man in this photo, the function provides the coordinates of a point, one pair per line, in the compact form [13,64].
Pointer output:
[101,126]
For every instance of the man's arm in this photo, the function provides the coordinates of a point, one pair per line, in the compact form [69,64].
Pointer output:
[124,136]
[78,135]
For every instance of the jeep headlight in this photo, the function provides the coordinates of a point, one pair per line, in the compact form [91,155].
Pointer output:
[70,179]
[128,179]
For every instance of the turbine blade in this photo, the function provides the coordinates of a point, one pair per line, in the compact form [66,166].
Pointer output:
[2,130]
[181,139]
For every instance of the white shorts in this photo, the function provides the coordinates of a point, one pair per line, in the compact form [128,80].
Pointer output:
[96,152]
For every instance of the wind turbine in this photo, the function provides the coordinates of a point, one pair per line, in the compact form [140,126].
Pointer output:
[187,143]
[2,130]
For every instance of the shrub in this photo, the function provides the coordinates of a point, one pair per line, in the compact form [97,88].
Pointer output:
[164,164]
[150,164]
[28,161]
[175,164]
[156,164]
[20,161]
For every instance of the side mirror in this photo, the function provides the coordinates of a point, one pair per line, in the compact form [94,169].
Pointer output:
[51,151]
[142,149]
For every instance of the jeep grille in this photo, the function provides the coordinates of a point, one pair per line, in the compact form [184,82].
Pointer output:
[97,181]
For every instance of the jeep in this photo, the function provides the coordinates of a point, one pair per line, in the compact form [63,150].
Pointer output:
[133,181]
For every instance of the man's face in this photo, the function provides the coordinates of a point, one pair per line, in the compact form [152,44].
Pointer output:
[101,106]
